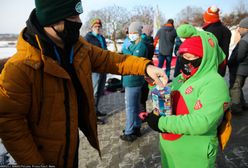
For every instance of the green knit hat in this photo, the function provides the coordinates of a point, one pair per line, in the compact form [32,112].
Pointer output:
[49,12]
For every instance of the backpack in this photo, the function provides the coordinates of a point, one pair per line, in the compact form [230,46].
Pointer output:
[225,129]
[151,49]
[113,85]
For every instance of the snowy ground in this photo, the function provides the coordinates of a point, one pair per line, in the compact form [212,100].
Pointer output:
[7,52]
[7,49]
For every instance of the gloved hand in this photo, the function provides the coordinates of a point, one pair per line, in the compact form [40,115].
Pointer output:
[151,119]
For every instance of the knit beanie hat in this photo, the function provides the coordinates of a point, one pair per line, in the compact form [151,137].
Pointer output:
[147,29]
[192,45]
[135,27]
[211,15]
[96,21]
[49,12]
[244,23]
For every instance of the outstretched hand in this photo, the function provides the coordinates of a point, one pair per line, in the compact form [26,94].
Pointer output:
[157,75]
[151,119]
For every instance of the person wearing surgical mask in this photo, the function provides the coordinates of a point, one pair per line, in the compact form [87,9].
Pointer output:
[134,36]
[133,84]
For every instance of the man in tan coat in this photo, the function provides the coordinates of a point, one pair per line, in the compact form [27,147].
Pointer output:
[46,89]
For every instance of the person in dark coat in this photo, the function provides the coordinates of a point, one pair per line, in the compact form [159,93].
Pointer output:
[238,65]
[178,42]
[213,24]
[99,79]
[147,38]
[166,36]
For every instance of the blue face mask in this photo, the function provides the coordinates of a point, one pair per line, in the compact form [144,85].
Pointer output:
[133,37]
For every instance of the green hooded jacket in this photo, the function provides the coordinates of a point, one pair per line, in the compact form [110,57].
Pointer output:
[199,104]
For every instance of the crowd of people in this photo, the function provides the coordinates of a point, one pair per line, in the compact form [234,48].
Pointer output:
[52,86]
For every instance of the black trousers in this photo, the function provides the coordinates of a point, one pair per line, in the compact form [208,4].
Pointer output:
[144,96]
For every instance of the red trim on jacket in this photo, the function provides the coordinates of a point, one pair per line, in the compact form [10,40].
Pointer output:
[179,107]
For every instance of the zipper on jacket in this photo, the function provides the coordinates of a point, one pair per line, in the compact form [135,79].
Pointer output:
[41,93]
[67,113]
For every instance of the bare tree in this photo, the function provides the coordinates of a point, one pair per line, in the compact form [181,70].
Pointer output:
[114,18]
[239,12]
[192,15]
[241,7]
[229,19]
[148,15]
[143,14]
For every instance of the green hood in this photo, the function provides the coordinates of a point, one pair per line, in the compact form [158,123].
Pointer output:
[213,55]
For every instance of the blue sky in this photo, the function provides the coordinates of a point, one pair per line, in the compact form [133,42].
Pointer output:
[14,13]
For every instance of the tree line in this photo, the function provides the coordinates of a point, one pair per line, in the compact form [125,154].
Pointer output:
[116,19]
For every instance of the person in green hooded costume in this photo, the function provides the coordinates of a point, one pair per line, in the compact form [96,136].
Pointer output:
[199,98]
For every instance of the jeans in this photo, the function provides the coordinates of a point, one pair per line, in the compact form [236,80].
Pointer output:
[99,81]
[132,101]
[236,84]
[168,59]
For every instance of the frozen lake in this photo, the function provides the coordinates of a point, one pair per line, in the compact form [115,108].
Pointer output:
[7,52]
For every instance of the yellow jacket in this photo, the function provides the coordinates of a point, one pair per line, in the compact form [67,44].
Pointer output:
[35,124]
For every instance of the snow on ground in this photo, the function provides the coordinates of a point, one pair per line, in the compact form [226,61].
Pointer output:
[7,48]
[7,52]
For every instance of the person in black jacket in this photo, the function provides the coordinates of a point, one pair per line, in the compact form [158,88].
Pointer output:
[148,40]
[238,67]
[166,36]
[178,42]
[213,24]
[96,38]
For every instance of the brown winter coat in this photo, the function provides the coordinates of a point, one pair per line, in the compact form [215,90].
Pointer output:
[35,126]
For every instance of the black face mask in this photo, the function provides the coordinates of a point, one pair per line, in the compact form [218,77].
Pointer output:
[71,32]
[188,65]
